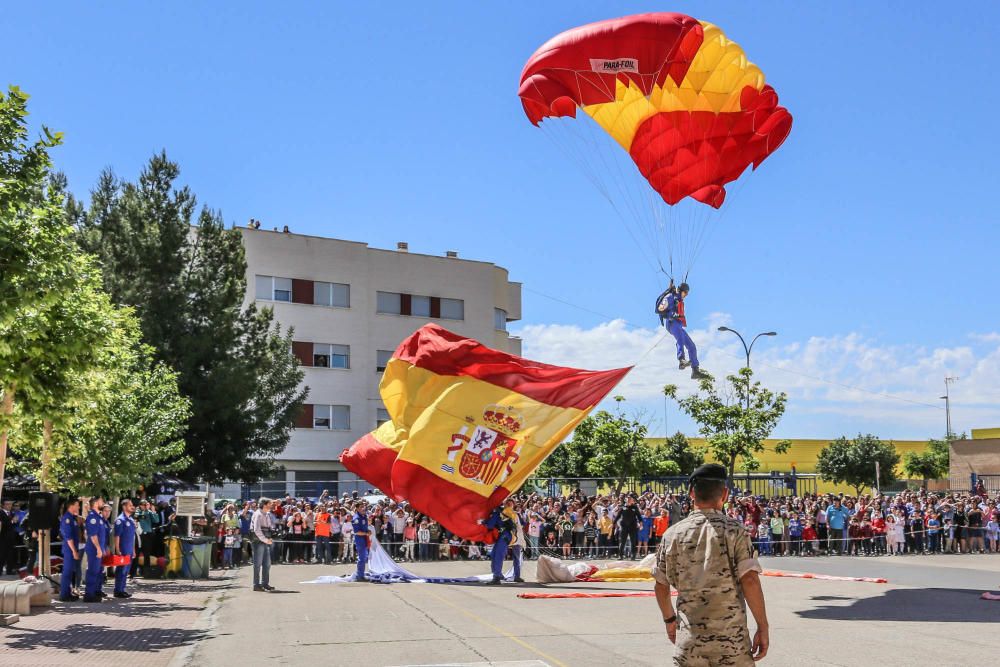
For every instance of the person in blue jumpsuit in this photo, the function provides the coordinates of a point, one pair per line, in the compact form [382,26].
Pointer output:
[69,532]
[125,546]
[360,524]
[96,531]
[670,308]
[502,520]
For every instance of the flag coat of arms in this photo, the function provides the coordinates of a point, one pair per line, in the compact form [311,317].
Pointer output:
[469,424]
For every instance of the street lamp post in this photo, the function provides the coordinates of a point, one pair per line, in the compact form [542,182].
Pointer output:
[748,349]
[947,404]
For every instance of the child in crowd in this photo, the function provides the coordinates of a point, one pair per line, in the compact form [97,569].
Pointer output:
[933,533]
[795,533]
[853,537]
[810,539]
[228,544]
[409,540]
[992,534]
[763,541]
[949,536]
[866,536]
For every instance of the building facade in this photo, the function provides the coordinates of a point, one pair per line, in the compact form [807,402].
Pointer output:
[349,306]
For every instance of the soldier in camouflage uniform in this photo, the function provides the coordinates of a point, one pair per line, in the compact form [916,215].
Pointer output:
[707,557]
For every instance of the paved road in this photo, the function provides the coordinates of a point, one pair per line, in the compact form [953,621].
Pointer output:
[929,614]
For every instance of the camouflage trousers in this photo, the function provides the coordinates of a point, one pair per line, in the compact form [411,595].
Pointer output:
[712,648]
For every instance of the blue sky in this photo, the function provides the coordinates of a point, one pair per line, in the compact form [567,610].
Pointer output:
[869,241]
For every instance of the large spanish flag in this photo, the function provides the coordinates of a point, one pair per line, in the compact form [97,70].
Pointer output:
[469,425]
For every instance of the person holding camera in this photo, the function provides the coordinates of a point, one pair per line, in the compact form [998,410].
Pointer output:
[261,534]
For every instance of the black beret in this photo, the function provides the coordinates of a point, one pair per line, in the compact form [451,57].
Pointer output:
[709,471]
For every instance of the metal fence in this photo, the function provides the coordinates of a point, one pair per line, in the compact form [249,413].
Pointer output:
[991,482]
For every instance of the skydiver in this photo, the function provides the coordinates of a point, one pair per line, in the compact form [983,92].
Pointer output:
[670,309]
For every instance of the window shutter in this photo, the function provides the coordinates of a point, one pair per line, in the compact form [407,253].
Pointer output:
[305,418]
[404,304]
[303,352]
[302,291]
[436,307]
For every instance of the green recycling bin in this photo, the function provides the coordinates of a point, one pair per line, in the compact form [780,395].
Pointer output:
[197,557]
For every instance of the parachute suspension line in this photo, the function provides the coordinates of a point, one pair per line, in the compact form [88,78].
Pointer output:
[586,165]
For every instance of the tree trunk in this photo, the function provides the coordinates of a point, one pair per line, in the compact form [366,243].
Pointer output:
[8,410]
[45,535]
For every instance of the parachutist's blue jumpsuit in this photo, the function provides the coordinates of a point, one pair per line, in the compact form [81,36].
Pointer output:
[360,524]
[672,317]
[497,521]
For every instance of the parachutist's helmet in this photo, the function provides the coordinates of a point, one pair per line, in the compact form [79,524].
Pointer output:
[684,288]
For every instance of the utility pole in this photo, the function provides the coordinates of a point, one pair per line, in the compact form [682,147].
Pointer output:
[948,380]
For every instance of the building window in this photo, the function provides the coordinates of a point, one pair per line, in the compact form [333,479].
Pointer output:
[452,309]
[499,319]
[420,306]
[388,302]
[332,417]
[332,294]
[272,288]
[331,356]
[382,360]
[381,417]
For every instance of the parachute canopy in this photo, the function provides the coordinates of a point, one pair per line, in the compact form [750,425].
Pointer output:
[469,425]
[675,93]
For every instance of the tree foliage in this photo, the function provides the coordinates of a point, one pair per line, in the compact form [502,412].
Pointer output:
[70,361]
[185,275]
[852,462]
[122,421]
[735,418]
[610,445]
[45,330]
[678,448]
[934,463]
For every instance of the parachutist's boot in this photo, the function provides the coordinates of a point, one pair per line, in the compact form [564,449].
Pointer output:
[683,363]
[495,581]
[698,374]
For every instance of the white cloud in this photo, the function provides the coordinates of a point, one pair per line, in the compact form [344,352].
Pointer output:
[850,379]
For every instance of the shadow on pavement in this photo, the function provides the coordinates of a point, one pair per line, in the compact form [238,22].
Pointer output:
[135,607]
[85,637]
[921,605]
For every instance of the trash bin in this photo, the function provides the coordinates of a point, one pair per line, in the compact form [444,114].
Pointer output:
[174,556]
[197,556]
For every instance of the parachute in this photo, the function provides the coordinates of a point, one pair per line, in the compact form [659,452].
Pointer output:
[672,112]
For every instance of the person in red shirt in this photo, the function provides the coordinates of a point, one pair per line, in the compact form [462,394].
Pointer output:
[660,525]
[809,538]
[878,534]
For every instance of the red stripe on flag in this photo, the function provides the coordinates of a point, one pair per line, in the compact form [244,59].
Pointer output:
[454,507]
[372,461]
[446,353]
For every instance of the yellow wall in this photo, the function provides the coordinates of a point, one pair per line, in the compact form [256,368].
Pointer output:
[802,454]
[985,433]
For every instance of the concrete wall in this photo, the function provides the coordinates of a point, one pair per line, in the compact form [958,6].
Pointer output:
[980,456]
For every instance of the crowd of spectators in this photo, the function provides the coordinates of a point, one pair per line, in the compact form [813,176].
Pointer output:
[627,525]
[570,526]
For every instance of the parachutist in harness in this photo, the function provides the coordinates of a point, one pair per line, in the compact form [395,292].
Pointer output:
[670,309]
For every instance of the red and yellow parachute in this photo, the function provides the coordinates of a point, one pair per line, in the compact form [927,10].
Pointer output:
[683,101]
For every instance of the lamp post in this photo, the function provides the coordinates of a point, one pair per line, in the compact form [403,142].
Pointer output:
[947,404]
[748,349]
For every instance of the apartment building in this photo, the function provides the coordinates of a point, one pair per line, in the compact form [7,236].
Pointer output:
[350,305]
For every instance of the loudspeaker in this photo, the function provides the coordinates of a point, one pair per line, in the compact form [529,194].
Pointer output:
[43,510]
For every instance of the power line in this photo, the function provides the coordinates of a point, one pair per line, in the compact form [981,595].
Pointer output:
[766,365]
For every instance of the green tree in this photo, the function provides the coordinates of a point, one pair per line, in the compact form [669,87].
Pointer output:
[678,448]
[852,462]
[40,269]
[735,419]
[123,419]
[185,274]
[934,463]
[618,449]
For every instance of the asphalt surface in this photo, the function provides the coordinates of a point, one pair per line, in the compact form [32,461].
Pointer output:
[928,614]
